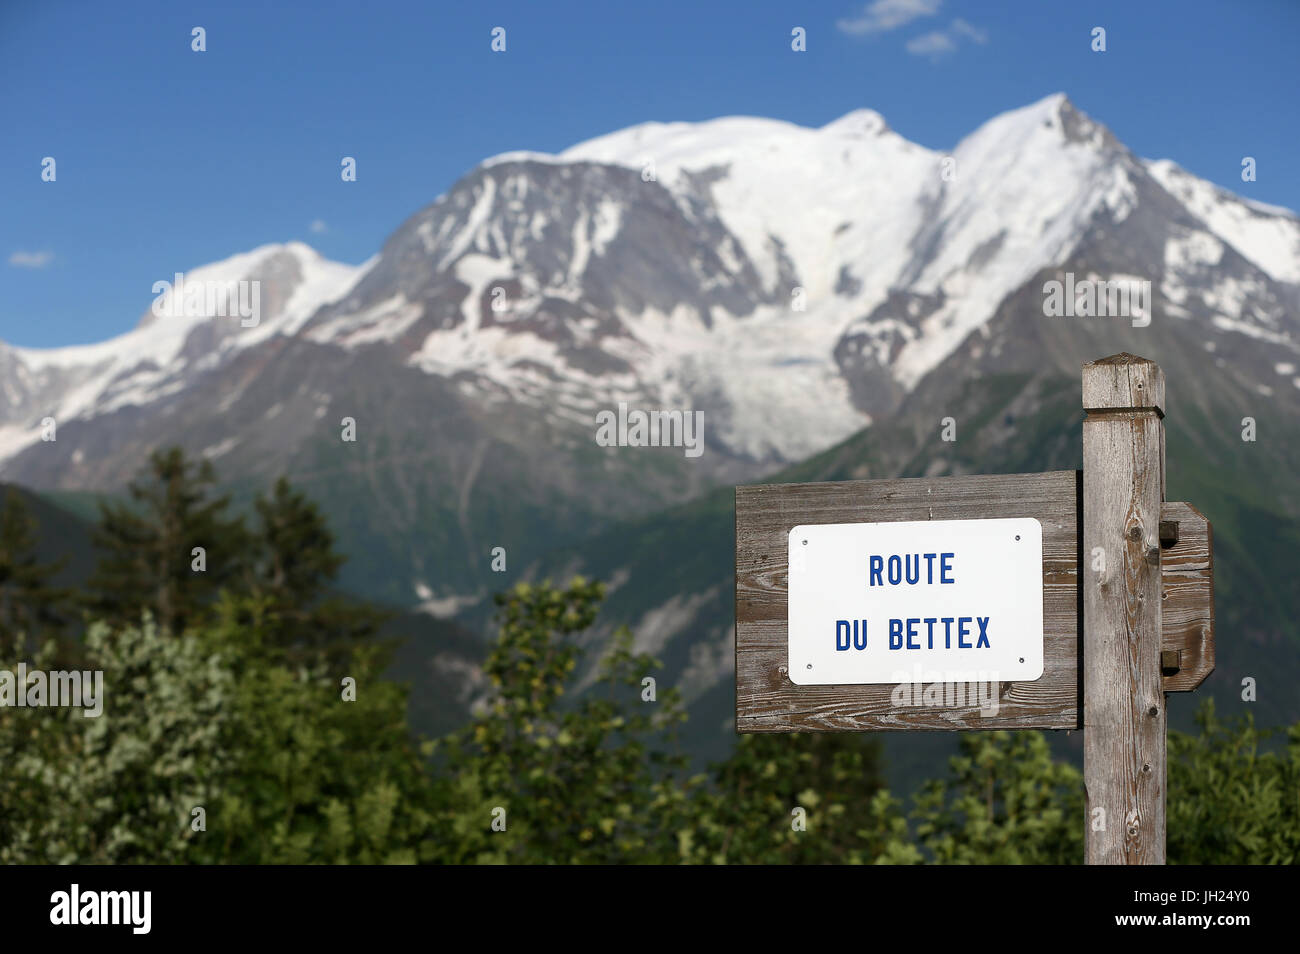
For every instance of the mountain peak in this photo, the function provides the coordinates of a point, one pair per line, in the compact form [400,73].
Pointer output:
[858,123]
[815,274]
[273,256]
[1049,124]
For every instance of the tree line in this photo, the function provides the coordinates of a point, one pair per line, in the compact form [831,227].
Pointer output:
[248,719]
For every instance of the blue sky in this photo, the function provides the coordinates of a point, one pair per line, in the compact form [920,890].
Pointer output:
[168,159]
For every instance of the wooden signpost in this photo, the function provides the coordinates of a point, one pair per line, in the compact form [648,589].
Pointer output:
[913,604]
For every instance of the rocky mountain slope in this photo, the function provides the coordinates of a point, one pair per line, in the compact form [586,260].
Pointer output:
[795,285]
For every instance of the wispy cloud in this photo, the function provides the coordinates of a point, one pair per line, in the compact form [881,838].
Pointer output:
[973,33]
[881,16]
[942,42]
[22,259]
[318,227]
[931,44]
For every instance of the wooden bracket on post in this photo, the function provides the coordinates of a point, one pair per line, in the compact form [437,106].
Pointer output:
[1187,597]
[1124,715]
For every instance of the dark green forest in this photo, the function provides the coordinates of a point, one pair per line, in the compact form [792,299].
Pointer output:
[249,717]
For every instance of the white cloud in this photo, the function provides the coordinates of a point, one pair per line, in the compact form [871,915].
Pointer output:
[22,259]
[940,42]
[961,28]
[319,227]
[881,16]
[931,44]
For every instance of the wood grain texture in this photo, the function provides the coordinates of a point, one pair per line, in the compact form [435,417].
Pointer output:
[1187,594]
[1124,715]
[1123,382]
[767,701]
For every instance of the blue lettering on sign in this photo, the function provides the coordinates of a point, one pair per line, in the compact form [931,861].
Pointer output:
[847,634]
[906,634]
[908,568]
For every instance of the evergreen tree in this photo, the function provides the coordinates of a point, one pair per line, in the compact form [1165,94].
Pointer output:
[171,549]
[296,564]
[297,547]
[32,608]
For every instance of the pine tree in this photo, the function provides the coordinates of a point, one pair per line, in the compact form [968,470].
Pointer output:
[296,546]
[32,608]
[296,565]
[170,550]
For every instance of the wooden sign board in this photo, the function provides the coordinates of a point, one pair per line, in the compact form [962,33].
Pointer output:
[767,700]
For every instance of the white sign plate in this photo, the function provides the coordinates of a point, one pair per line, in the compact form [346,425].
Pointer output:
[933,601]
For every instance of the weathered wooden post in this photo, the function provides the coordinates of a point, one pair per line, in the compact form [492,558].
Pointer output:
[1123,695]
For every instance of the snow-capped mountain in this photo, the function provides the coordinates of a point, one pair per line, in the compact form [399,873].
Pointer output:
[171,345]
[794,284]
